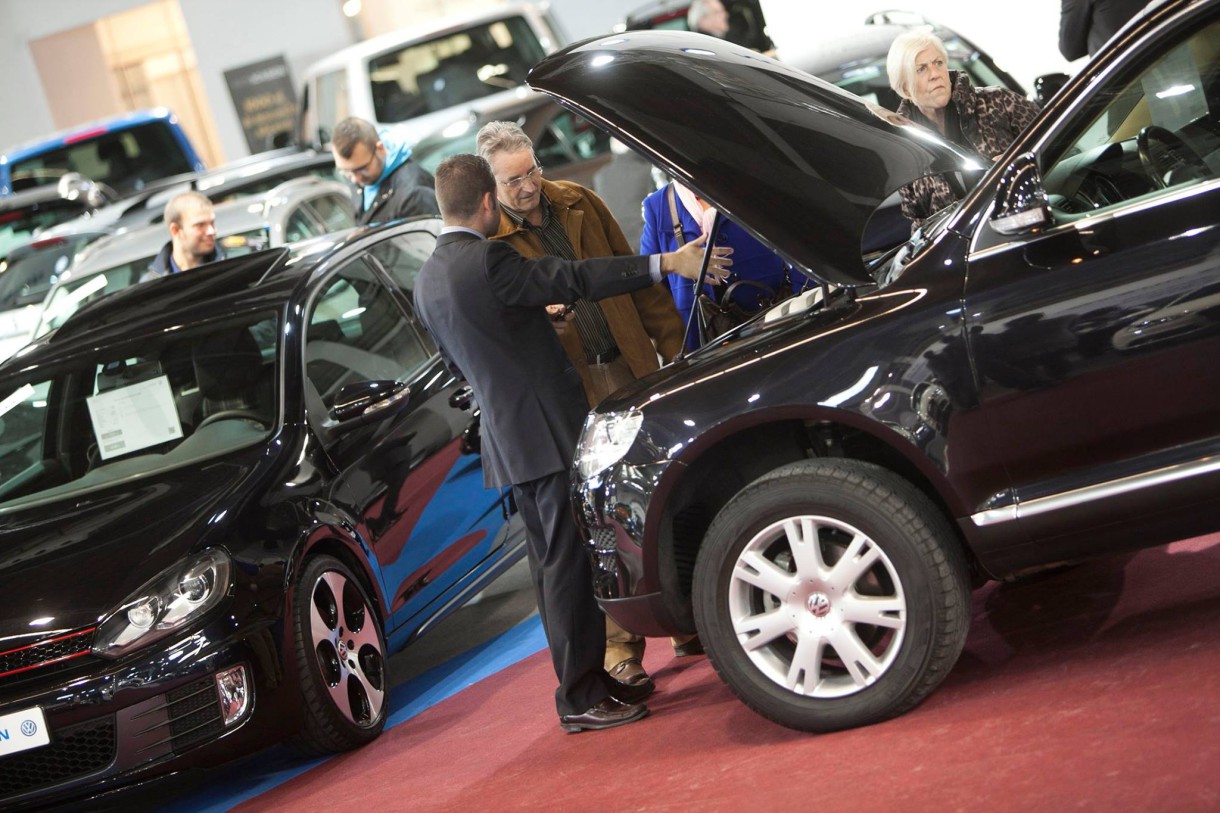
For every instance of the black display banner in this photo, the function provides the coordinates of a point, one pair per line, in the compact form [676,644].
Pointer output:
[265,101]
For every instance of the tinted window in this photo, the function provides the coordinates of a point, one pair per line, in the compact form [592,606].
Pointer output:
[335,212]
[452,69]
[357,332]
[568,138]
[124,160]
[1157,126]
[332,103]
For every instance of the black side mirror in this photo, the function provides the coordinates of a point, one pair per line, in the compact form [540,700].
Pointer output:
[367,401]
[1046,86]
[1020,201]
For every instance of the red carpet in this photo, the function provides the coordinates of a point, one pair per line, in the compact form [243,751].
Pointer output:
[1097,688]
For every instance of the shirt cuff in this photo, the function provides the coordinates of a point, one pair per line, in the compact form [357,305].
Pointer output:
[654,267]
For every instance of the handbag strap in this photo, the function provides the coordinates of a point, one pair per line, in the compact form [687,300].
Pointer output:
[673,216]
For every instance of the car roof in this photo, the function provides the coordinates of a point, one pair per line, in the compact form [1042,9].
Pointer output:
[798,162]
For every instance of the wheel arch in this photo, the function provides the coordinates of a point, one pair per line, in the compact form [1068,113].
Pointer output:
[726,459]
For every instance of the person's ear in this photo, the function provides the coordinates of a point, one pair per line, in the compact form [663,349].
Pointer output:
[380,150]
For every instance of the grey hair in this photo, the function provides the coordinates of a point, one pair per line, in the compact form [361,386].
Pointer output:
[501,136]
[698,9]
[181,202]
[900,63]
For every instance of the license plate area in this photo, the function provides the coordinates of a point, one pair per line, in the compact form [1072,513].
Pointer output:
[22,730]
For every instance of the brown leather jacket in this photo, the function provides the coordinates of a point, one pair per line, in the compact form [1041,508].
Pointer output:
[643,323]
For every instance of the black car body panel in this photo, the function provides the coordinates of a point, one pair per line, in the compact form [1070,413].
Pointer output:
[793,150]
[397,499]
[1041,384]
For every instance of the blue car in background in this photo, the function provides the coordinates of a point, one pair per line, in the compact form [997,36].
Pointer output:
[122,154]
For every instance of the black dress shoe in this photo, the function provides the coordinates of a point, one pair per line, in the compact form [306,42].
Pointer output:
[606,714]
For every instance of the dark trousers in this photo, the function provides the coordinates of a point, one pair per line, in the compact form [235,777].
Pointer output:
[563,585]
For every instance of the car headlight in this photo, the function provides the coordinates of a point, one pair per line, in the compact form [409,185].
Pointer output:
[606,438]
[175,598]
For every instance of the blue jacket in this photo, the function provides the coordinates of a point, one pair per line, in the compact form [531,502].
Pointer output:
[751,259]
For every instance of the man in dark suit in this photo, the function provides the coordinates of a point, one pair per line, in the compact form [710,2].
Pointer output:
[485,305]
[1086,25]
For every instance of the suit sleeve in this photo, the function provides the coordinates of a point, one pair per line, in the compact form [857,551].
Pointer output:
[1074,28]
[521,282]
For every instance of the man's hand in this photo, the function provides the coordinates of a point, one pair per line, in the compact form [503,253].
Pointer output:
[686,261]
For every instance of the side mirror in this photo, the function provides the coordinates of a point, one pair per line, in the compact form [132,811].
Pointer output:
[74,186]
[367,401]
[1046,86]
[1020,201]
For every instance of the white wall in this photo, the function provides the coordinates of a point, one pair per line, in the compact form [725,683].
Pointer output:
[225,34]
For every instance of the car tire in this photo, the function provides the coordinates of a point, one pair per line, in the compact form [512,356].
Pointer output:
[341,659]
[888,587]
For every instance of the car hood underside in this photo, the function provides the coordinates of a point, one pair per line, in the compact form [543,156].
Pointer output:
[798,162]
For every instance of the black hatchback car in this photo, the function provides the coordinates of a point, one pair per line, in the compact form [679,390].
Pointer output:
[816,492]
[225,497]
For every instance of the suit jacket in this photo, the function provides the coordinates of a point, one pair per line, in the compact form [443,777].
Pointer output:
[636,320]
[485,305]
[1086,25]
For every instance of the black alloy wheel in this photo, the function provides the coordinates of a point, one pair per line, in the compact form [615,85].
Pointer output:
[341,658]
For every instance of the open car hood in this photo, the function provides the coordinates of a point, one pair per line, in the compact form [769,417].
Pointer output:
[798,162]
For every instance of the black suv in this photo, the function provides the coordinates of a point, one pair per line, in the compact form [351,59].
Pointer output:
[1029,381]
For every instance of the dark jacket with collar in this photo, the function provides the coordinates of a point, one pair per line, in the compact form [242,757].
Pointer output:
[990,119]
[485,305]
[160,266]
[409,191]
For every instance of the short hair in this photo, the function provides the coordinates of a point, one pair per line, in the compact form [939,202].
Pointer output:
[697,11]
[501,136]
[352,131]
[461,182]
[900,63]
[179,203]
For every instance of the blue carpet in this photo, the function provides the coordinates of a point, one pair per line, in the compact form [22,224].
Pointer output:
[237,783]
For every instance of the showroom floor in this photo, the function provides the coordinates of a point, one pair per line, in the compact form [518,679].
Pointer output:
[1096,688]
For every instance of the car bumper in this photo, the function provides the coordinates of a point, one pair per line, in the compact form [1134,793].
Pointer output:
[630,577]
[111,723]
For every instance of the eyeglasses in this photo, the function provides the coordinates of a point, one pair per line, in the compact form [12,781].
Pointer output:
[532,176]
[359,171]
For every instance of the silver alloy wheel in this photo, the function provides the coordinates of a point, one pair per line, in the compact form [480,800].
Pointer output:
[817,606]
[348,649]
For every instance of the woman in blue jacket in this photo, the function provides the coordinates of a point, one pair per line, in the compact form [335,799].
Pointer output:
[752,260]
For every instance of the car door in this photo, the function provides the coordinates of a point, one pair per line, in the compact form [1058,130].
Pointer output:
[415,496]
[1095,339]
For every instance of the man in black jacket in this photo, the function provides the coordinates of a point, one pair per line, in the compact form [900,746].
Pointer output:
[485,305]
[389,185]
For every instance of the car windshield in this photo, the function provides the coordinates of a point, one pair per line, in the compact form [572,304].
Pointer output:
[74,293]
[124,160]
[127,411]
[453,69]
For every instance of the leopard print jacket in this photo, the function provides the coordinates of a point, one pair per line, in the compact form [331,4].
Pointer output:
[991,118]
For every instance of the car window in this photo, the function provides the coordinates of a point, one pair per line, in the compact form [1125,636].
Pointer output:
[29,272]
[19,225]
[357,332]
[568,138]
[452,69]
[1156,126]
[403,256]
[73,293]
[332,103]
[869,80]
[300,226]
[333,211]
[123,411]
[124,160]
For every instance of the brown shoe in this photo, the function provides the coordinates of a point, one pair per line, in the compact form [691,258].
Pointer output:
[630,672]
[629,682]
[606,714]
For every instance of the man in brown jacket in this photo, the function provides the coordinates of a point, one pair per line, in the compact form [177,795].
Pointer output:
[611,342]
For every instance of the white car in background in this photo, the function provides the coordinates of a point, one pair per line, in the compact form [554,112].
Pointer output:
[295,210]
[429,74]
